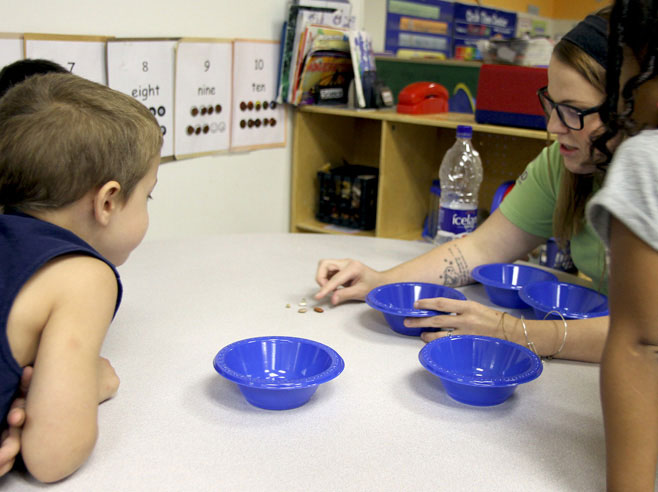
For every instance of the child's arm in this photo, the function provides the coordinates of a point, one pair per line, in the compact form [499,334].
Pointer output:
[10,442]
[108,381]
[629,368]
[69,377]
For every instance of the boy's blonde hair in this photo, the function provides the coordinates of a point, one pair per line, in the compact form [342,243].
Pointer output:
[62,136]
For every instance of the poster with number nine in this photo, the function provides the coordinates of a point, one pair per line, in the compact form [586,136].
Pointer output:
[203,97]
[258,120]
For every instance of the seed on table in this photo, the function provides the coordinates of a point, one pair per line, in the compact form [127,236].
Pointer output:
[301,310]
[318,309]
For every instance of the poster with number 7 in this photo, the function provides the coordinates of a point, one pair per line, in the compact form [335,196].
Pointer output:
[11,49]
[258,121]
[80,55]
[144,69]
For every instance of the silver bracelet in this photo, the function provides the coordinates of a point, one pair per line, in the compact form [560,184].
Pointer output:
[530,344]
[564,338]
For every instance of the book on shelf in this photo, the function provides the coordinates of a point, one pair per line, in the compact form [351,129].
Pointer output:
[363,61]
[302,13]
[326,78]
[321,49]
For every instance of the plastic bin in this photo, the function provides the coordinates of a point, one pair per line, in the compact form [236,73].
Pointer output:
[348,196]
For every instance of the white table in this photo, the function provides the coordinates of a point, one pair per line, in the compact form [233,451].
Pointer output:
[384,424]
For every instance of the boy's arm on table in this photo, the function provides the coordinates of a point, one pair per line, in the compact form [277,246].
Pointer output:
[70,379]
[629,367]
[10,441]
[496,240]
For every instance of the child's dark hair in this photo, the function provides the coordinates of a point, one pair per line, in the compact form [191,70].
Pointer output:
[20,70]
[632,25]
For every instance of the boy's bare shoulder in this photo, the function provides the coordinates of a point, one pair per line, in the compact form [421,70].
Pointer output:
[79,276]
[71,274]
[62,288]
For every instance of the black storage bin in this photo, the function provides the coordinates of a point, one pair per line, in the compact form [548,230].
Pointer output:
[348,196]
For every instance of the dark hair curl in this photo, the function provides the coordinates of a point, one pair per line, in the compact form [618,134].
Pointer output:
[632,25]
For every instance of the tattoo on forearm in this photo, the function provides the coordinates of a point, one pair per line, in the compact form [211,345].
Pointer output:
[456,271]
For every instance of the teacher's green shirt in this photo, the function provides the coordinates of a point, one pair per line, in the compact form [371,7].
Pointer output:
[530,205]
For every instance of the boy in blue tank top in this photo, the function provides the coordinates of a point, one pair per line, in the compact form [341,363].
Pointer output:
[11,75]
[78,162]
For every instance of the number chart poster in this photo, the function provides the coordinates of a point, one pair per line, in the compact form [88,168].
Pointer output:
[11,49]
[81,55]
[145,70]
[258,121]
[203,96]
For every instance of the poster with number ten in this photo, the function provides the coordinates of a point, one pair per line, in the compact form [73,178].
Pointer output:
[258,120]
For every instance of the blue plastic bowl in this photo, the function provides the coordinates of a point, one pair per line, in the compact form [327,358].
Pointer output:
[277,372]
[396,302]
[500,193]
[478,370]
[503,281]
[570,300]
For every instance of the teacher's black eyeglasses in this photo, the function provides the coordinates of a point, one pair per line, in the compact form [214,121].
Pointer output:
[569,116]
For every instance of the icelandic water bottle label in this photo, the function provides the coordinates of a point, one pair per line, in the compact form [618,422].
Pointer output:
[457,222]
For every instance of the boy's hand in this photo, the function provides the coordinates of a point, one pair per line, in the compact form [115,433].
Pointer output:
[10,442]
[108,381]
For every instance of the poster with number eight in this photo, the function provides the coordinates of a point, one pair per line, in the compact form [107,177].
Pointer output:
[144,69]
[203,96]
[258,120]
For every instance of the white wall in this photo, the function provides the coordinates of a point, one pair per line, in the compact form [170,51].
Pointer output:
[563,26]
[235,192]
[373,20]
[242,192]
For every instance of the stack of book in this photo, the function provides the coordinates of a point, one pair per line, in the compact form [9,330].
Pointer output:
[321,55]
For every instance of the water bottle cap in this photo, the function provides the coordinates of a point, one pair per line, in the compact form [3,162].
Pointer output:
[464,131]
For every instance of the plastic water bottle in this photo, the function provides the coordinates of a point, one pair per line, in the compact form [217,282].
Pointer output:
[461,175]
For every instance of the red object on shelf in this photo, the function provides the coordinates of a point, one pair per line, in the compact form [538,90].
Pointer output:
[507,95]
[423,98]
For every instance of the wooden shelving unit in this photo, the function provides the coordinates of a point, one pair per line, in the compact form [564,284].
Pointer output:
[407,150]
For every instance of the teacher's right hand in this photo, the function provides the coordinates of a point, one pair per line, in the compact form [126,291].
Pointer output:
[346,280]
